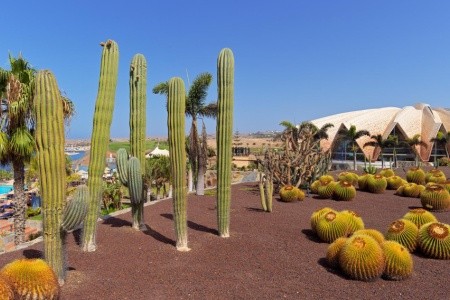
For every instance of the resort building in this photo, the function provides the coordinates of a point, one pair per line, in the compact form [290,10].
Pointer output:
[404,123]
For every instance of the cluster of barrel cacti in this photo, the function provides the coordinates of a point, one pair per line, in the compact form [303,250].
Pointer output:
[59,216]
[366,253]
[342,190]
[28,279]
[289,193]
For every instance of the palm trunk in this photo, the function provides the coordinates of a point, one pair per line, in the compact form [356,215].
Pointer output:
[190,180]
[201,180]
[20,202]
[354,160]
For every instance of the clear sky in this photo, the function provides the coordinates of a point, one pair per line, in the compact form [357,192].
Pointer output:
[295,60]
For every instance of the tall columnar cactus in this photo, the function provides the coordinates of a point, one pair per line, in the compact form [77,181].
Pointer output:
[138,104]
[104,107]
[50,148]
[176,128]
[224,136]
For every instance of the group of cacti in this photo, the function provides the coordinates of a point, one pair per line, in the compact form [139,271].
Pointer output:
[366,254]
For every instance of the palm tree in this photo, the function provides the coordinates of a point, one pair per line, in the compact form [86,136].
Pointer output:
[351,135]
[195,108]
[16,130]
[442,139]
[413,143]
[379,143]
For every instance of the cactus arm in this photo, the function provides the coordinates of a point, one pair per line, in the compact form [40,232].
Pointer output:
[224,135]
[122,166]
[177,155]
[104,107]
[50,148]
[136,188]
[76,210]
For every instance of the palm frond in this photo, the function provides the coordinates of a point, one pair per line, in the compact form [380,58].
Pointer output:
[161,88]
[21,143]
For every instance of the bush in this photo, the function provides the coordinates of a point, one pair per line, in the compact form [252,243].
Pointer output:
[444,161]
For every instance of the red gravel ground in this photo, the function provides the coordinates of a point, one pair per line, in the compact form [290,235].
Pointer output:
[268,256]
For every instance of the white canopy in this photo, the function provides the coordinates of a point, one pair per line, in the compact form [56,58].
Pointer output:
[160,152]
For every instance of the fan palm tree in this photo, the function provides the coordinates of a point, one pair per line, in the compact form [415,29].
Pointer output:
[379,143]
[413,143]
[442,139]
[351,135]
[16,130]
[195,108]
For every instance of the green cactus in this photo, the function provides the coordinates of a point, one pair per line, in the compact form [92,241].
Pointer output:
[104,107]
[334,250]
[362,258]
[31,279]
[394,182]
[331,226]
[291,193]
[325,189]
[176,125]
[349,177]
[316,215]
[435,198]
[362,181]
[138,110]
[419,216]
[76,209]
[435,175]
[224,136]
[355,222]
[375,234]
[344,191]
[409,189]
[399,263]
[404,232]
[122,165]
[415,175]
[50,153]
[434,240]
[387,172]
[314,187]
[376,184]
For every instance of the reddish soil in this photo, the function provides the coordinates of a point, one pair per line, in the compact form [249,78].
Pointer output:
[268,256]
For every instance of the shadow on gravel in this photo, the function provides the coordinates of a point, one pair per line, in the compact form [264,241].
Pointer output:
[312,236]
[324,263]
[116,222]
[255,209]
[77,234]
[32,253]
[194,226]
[158,236]
[414,207]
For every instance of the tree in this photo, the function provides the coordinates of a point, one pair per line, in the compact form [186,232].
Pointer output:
[195,108]
[16,130]
[158,171]
[413,143]
[442,139]
[379,143]
[351,135]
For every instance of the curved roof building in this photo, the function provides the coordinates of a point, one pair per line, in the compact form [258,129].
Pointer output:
[404,122]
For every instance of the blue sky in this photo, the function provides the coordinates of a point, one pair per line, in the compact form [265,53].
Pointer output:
[294,60]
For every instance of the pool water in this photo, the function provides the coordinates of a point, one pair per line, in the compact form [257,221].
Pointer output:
[4,189]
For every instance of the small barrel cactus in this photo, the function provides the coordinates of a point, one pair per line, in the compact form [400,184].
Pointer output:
[387,172]
[394,182]
[31,279]
[404,232]
[326,189]
[434,173]
[437,178]
[411,190]
[446,184]
[344,191]
[398,261]
[291,193]
[362,181]
[435,198]
[333,252]
[419,216]
[326,178]
[376,184]
[378,236]
[416,175]
[355,222]
[362,258]
[314,187]
[331,226]
[434,240]
[317,214]
[349,177]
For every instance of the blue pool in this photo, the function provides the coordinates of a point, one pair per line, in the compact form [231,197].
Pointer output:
[4,189]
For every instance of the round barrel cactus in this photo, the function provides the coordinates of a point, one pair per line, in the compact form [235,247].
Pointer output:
[355,222]
[331,226]
[416,175]
[344,191]
[419,216]
[376,184]
[362,181]
[289,193]
[387,172]
[404,232]
[349,177]
[411,190]
[333,251]
[394,182]
[326,189]
[375,234]
[398,261]
[435,198]
[326,178]
[434,173]
[315,216]
[31,279]
[362,258]
[6,291]
[434,240]
[314,187]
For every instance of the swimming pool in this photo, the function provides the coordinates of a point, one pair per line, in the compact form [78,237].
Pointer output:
[4,189]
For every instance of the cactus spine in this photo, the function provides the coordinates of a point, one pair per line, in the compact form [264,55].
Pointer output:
[104,107]
[176,127]
[224,136]
[51,157]
[138,109]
